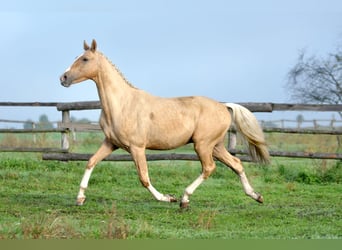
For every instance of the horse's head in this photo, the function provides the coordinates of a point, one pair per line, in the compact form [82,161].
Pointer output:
[83,68]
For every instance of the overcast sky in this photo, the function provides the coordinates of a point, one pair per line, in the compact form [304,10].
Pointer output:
[233,51]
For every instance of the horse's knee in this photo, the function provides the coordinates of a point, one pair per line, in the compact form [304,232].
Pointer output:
[91,163]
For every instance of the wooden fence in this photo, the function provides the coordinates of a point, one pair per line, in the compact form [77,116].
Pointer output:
[65,126]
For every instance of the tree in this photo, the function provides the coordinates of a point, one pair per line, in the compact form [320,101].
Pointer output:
[316,80]
[28,124]
[44,122]
[82,120]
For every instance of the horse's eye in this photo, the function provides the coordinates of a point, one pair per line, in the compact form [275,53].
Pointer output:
[85,59]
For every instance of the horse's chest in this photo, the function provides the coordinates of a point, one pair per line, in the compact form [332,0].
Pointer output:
[113,132]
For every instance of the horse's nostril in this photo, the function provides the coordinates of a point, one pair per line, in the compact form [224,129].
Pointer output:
[63,78]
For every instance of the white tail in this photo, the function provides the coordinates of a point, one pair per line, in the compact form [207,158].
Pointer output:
[247,124]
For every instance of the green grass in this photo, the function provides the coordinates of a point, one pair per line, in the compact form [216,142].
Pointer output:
[302,201]
[302,197]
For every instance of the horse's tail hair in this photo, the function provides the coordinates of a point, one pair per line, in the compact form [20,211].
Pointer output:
[247,124]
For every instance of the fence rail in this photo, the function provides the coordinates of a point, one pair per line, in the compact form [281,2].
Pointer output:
[65,126]
[252,106]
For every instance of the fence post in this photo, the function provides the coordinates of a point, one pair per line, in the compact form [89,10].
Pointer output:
[65,139]
[332,123]
[34,134]
[232,140]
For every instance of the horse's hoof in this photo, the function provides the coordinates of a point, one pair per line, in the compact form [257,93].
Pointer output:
[184,204]
[80,201]
[259,199]
[171,198]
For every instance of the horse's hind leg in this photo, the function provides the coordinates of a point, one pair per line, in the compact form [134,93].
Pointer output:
[221,154]
[105,150]
[208,166]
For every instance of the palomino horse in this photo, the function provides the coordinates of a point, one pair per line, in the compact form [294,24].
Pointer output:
[134,120]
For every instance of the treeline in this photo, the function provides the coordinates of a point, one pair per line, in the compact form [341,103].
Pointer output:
[45,123]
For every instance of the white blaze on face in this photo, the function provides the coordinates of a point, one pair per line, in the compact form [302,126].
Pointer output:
[68,69]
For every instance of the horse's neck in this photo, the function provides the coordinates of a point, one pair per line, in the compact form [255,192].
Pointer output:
[113,89]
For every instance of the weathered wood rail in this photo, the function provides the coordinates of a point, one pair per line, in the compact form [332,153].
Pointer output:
[65,126]
[252,106]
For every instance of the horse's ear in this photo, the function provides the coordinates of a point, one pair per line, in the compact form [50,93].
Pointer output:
[93,45]
[85,45]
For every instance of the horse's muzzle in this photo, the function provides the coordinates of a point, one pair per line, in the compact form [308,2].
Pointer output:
[65,80]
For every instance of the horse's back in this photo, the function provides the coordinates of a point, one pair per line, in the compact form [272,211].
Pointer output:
[205,108]
[198,108]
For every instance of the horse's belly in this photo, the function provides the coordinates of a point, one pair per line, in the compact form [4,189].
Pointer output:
[168,138]
[167,144]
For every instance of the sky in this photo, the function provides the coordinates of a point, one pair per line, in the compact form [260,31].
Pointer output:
[231,51]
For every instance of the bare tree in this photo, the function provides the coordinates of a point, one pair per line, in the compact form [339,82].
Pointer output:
[316,80]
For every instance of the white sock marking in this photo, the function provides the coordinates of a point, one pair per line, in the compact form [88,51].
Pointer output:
[191,188]
[85,179]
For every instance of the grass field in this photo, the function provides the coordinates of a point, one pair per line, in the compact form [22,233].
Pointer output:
[302,199]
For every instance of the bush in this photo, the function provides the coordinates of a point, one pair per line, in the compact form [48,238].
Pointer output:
[332,174]
[320,174]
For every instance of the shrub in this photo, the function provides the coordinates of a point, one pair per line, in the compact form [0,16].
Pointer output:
[319,174]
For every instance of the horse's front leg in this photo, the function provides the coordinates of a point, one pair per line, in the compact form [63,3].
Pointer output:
[105,150]
[139,158]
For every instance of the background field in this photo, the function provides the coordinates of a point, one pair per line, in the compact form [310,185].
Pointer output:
[302,197]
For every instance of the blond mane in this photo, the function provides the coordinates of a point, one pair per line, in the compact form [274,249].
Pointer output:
[117,70]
